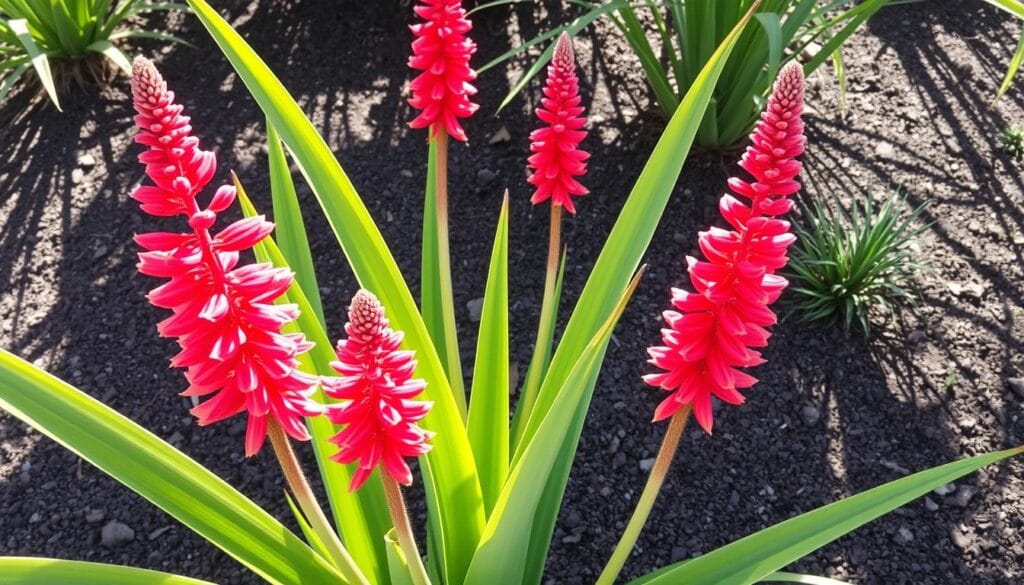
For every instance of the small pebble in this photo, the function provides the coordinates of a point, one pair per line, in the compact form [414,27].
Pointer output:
[903,536]
[959,539]
[963,496]
[917,336]
[810,414]
[116,533]
[502,135]
[476,309]
[485,177]
[158,532]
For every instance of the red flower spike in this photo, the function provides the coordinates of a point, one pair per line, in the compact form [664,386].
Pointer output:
[557,158]
[376,382]
[713,329]
[441,51]
[224,315]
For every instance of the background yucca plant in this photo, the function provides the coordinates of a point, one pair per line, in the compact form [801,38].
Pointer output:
[483,527]
[847,264]
[687,32]
[39,34]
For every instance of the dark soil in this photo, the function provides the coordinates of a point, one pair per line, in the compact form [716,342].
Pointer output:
[927,390]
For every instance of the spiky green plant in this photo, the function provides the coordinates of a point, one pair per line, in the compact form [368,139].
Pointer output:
[847,263]
[35,34]
[687,33]
[1013,142]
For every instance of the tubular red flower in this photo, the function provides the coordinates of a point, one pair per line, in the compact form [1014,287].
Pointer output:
[713,330]
[377,388]
[557,158]
[441,51]
[224,315]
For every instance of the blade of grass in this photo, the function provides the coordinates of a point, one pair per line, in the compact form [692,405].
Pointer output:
[398,569]
[155,35]
[657,78]
[40,571]
[757,556]
[39,60]
[488,407]
[291,228]
[541,358]
[782,577]
[311,536]
[113,53]
[572,28]
[504,548]
[430,270]
[1011,69]
[7,83]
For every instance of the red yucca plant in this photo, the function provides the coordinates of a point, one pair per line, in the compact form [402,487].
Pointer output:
[254,342]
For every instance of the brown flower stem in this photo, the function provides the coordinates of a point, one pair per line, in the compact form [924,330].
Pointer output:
[310,508]
[542,347]
[643,506]
[396,505]
[453,365]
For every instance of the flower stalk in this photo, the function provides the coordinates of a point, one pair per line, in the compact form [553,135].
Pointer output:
[667,451]
[452,361]
[307,501]
[545,330]
[403,529]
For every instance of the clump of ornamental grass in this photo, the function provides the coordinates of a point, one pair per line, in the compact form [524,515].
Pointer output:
[671,40]
[70,40]
[1012,142]
[852,264]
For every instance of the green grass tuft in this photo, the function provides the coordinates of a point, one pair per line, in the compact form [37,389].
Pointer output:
[850,264]
[1013,142]
[69,39]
